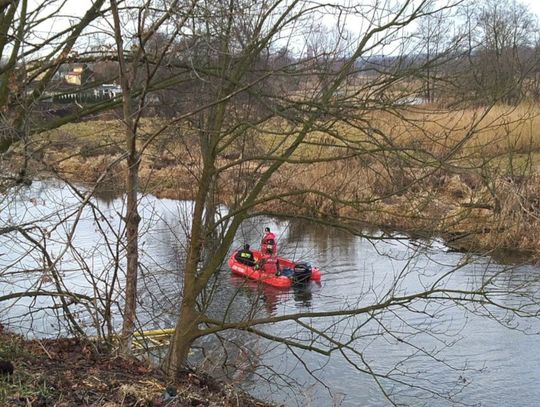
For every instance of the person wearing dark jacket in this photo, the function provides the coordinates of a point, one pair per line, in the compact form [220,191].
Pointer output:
[245,256]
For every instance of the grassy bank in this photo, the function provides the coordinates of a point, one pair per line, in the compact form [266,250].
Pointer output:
[67,372]
[470,175]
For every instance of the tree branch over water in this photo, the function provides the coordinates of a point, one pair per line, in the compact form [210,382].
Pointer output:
[259,109]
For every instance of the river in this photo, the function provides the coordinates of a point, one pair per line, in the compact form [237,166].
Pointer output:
[431,347]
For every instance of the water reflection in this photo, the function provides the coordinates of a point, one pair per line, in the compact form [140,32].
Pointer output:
[107,193]
[270,297]
[356,272]
[302,293]
[273,297]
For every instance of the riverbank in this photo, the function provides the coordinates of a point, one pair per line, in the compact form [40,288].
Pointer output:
[69,372]
[479,190]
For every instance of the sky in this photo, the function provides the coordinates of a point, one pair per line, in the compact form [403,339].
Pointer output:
[75,5]
[78,7]
[534,6]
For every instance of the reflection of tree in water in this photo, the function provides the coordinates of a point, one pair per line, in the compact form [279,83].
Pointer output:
[272,297]
[236,355]
[310,241]
[320,234]
[161,274]
[107,193]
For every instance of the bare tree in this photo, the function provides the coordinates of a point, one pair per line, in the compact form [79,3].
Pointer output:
[149,22]
[30,62]
[265,117]
[317,106]
[501,40]
[438,46]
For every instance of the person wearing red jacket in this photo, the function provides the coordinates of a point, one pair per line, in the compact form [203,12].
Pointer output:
[268,243]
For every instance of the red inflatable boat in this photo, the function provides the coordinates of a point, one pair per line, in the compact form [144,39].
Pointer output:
[275,271]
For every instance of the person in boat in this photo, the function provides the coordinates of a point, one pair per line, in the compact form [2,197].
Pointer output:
[268,243]
[245,256]
[269,264]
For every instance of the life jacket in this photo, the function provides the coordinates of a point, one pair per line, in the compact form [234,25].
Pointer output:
[245,257]
[268,244]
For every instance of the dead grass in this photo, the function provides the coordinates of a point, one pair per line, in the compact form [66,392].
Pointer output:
[68,372]
[501,129]
[445,174]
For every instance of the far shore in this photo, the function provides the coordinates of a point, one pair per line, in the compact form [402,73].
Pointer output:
[486,199]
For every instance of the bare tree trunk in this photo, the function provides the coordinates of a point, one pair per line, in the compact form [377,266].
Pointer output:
[132,218]
[188,317]
[183,338]
[132,233]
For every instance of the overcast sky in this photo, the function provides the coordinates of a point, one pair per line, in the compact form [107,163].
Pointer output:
[75,5]
[78,7]
[534,6]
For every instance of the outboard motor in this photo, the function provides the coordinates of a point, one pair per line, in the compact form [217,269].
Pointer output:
[302,273]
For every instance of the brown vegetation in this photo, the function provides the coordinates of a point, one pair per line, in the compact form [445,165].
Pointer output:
[68,372]
[487,193]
